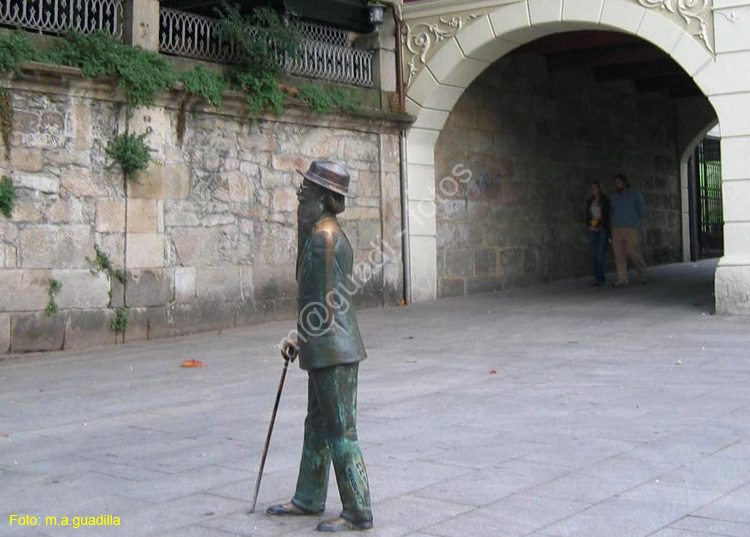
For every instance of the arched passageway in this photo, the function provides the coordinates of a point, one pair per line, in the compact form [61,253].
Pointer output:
[480,40]
[530,135]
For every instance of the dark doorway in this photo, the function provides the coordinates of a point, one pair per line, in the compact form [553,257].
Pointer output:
[704,178]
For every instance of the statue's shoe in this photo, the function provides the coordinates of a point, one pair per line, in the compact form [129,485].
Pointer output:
[342,524]
[289,509]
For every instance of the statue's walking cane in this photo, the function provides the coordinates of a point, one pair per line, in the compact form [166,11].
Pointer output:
[270,431]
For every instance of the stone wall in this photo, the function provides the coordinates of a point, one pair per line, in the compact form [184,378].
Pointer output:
[208,236]
[534,141]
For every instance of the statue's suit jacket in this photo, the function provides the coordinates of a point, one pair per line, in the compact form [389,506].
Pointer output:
[327,328]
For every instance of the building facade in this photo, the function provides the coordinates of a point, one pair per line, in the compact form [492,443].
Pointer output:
[512,108]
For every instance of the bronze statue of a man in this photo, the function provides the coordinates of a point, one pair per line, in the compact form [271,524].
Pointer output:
[330,348]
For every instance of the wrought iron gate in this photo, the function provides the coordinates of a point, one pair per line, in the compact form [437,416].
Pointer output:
[705,183]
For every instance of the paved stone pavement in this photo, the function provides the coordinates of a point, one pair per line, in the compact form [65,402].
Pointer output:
[557,410]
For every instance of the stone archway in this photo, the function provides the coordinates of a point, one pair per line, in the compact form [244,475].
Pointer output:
[458,45]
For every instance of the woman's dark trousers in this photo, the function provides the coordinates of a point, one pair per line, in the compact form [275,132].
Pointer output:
[598,244]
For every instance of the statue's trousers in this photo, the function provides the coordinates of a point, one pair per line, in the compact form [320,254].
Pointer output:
[331,435]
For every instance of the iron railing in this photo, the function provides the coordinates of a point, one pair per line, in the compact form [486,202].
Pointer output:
[57,17]
[323,34]
[325,52]
[192,36]
[331,62]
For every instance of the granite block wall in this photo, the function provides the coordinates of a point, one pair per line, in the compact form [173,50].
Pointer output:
[206,238]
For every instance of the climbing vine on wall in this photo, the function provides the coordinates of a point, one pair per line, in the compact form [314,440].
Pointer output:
[102,264]
[7,196]
[16,48]
[140,74]
[325,100]
[259,39]
[6,120]
[207,84]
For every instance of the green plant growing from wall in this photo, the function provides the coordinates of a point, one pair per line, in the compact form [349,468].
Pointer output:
[54,288]
[119,322]
[102,264]
[324,100]
[16,48]
[207,84]
[141,74]
[131,153]
[7,196]
[263,94]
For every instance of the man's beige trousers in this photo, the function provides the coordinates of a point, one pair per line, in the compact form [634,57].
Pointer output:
[627,245]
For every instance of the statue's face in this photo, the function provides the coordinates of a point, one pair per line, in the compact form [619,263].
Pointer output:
[310,207]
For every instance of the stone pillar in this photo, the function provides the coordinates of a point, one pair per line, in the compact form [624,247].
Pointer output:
[141,24]
[421,213]
[732,102]
[384,63]
[733,273]
[384,59]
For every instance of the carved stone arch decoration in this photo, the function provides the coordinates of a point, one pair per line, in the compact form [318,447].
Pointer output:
[695,14]
[424,35]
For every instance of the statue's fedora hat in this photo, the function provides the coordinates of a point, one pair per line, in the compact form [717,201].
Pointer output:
[330,175]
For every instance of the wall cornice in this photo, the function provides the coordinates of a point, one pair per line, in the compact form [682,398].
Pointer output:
[69,81]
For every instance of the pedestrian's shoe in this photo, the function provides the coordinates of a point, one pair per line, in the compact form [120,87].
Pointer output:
[289,509]
[342,524]
[620,283]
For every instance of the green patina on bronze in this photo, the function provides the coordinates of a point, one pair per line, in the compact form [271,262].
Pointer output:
[329,349]
[328,330]
[331,436]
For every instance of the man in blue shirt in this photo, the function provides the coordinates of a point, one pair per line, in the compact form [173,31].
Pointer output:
[627,210]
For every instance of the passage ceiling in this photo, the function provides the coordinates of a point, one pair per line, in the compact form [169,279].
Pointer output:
[615,56]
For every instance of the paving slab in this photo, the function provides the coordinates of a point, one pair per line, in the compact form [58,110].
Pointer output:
[712,526]
[549,411]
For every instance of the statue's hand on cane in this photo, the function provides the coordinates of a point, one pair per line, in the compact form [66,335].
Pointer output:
[289,349]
